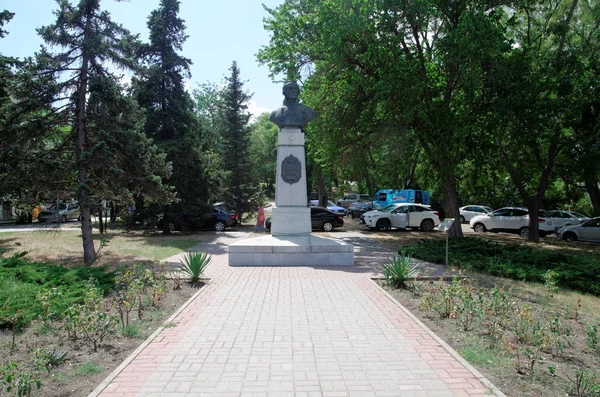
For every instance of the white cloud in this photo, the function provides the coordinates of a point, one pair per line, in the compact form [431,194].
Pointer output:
[255,110]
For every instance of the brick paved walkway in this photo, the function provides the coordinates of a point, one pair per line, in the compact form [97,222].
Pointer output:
[293,331]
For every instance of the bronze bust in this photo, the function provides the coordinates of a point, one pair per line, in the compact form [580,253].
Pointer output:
[292,114]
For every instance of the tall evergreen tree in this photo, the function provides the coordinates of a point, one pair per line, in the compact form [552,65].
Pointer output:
[170,119]
[235,147]
[89,39]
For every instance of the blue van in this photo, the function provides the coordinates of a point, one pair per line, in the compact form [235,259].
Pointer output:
[385,197]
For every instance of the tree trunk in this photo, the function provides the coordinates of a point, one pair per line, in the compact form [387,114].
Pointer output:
[591,184]
[533,206]
[321,187]
[100,222]
[89,253]
[451,206]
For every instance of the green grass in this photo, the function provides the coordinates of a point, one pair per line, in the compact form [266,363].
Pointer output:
[88,369]
[580,272]
[481,356]
[133,331]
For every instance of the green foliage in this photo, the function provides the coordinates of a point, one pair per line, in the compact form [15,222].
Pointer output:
[44,289]
[132,331]
[579,272]
[585,384]
[194,264]
[89,320]
[398,270]
[47,359]
[18,379]
[591,332]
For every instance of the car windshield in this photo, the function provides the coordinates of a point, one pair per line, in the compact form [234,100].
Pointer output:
[61,207]
[488,209]
[389,208]
[331,204]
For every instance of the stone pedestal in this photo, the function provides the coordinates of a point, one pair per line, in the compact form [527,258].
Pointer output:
[292,216]
[291,243]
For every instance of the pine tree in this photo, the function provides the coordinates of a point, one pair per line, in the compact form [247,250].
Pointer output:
[235,148]
[170,119]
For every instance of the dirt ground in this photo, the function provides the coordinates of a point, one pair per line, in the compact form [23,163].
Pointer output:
[84,369]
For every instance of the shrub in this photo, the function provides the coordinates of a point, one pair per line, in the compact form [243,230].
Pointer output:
[194,264]
[398,269]
[579,272]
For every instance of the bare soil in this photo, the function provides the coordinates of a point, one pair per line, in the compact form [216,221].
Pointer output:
[84,369]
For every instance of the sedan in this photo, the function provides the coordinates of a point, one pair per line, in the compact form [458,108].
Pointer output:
[355,210]
[336,209]
[321,219]
[403,216]
[566,218]
[469,211]
[586,231]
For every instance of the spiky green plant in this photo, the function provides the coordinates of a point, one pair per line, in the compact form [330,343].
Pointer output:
[398,269]
[194,264]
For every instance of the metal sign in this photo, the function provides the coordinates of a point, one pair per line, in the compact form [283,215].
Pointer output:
[446,224]
[291,169]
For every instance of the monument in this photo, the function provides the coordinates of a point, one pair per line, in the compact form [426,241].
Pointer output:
[291,242]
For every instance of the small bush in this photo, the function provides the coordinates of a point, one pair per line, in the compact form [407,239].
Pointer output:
[194,264]
[398,269]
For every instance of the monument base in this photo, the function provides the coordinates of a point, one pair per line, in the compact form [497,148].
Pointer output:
[303,250]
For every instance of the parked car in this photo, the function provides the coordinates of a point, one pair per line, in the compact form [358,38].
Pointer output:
[351,198]
[403,215]
[66,211]
[330,206]
[218,218]
[565,218]
[588,230]
[510,220]
[469,211]
[356,209]
[321,219]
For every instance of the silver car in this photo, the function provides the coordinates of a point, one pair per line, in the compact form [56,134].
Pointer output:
[66,211]
[586,231]
[469,211]
[566,218]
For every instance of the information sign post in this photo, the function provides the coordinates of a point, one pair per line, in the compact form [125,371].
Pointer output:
[445,226]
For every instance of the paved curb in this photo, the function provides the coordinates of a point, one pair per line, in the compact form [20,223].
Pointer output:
[100,388]
[446,346]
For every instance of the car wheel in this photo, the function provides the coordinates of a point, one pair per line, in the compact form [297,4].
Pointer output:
[427,225]
[524,232]
[479,228]
[570,237]
[383,225]
[220,226]
[462,219]
[327,226]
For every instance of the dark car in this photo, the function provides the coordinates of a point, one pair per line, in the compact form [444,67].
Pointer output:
[321,219]
[219,218]
[356,209]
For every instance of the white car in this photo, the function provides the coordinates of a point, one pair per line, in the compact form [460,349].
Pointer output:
[510,220]
[566,218]
[403,215]
[469,211]
[585,231]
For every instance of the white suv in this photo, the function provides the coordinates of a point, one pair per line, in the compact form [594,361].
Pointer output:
[403,215]
[511,220]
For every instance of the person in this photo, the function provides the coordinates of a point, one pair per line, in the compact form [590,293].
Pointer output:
[292,114]
[260,219]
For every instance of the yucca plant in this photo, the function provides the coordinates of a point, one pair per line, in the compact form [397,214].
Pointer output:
[398,269]
[194,264]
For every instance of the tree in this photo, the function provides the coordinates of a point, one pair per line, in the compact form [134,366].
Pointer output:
[170,119]
[263,151]
[89,40]
[243,191]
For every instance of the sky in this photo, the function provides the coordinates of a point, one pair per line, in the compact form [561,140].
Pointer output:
[220,32]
